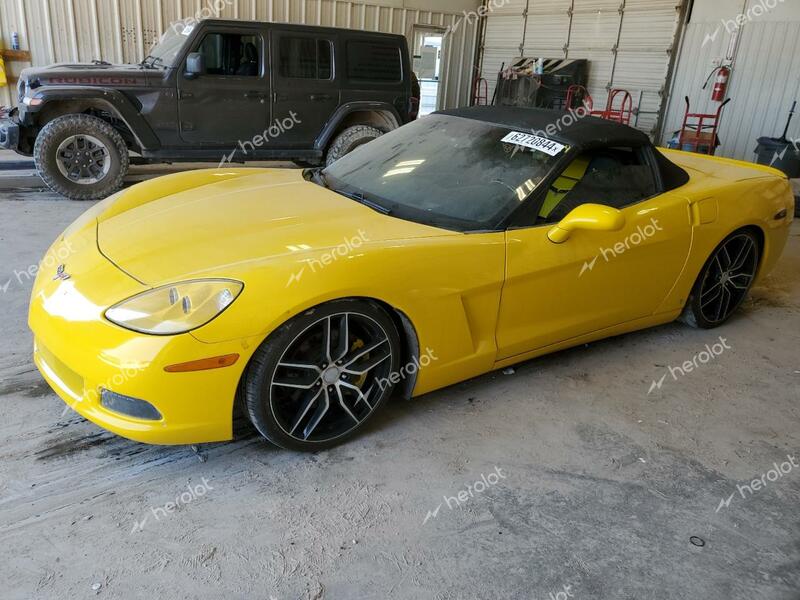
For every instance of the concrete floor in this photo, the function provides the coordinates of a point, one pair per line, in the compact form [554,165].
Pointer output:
[598,486]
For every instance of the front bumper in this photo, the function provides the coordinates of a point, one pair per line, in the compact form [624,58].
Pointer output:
[9,134]
[195,407]
[79,353]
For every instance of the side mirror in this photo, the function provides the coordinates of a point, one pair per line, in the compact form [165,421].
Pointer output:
[195,65]
[592,217]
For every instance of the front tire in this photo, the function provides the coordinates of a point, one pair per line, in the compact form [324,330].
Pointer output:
[321,376]
[81,157]
[724,282]
[350,139]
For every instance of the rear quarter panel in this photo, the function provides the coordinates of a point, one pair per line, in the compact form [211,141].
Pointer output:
[720,207]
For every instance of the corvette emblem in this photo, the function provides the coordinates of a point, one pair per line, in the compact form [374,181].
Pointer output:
[61,273]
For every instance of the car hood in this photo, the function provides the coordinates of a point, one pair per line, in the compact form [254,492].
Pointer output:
[216,229]
[87,74]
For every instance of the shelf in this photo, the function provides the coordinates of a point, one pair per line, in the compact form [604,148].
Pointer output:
[16,55]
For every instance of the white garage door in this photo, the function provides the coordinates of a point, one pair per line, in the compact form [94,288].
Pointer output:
[629,44]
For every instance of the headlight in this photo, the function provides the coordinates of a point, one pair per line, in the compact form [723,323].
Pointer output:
[176,308]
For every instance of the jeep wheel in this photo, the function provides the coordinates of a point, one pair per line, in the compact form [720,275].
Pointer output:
[350,139]
[81,157]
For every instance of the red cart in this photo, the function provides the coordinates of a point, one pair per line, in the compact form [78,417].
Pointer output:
[699,130]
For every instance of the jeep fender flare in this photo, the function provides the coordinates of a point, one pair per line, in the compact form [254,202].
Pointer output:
[107,99]
[386,113]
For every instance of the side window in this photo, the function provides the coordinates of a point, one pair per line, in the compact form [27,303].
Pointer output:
[369,61]
[325,59]
[616,177]
[231,54]
[305,58]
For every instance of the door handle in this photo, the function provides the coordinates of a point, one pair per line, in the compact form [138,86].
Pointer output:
[276,97]
[319,97]
[182,95]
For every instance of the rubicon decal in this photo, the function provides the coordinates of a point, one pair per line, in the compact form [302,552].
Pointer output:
[93,80]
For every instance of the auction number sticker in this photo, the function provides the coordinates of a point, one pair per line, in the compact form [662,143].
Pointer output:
[528,140]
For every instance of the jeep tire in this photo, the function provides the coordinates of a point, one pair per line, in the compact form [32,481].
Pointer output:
[81,157]
[350,139]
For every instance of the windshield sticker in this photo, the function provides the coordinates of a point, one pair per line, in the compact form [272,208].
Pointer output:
[187,30]
[534,142]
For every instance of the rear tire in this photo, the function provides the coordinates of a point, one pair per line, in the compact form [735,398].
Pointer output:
[724,282]
[81,157]
[350,139]
[318,378]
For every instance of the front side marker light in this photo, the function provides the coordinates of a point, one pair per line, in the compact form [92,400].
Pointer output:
[204,364]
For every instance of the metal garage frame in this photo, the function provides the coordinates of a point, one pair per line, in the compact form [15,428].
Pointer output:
[630,44]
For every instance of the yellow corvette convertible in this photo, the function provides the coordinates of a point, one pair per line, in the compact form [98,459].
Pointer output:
[464,242]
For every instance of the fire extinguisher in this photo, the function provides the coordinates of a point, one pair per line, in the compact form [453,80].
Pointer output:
[721,84]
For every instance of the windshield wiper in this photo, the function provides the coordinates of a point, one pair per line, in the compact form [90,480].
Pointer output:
[317,176]
[359,197]
[154,60]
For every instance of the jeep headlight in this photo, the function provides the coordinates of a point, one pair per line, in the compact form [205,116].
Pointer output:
[176,308]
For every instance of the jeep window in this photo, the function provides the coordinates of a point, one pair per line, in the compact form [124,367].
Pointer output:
[305,58]
[369,61]
[231,54]
[165,53]
[444,171]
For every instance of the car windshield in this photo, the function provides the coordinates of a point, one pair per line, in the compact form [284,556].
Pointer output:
[165,53]
[446,171]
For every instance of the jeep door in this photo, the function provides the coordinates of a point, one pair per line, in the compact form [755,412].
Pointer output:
[229,103]
[305,85]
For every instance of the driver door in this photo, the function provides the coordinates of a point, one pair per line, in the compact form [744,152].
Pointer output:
[595,279]
[229,103]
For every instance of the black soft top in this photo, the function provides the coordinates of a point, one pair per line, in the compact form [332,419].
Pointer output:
[586,133]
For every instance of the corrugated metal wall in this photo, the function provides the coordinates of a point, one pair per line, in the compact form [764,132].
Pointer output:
[765,81]
[123,30]
[628,43]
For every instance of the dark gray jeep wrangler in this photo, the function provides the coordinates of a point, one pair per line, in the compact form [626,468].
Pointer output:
[217,91]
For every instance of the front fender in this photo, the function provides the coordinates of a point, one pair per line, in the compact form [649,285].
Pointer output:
[447,286]
[102,98]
